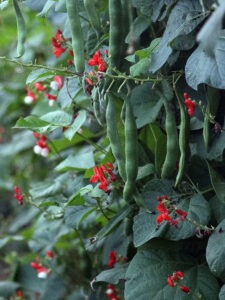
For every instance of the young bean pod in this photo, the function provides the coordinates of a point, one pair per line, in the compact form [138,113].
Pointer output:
[77,35]
[21,29]
[172,147]
[131,153]
[92,15]
[113,135]
[115,37]
[98,107]
[183,139]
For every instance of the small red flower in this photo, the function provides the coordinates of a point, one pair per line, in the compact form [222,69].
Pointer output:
[184,289]
[163,217]
[57,83]
[39,87]
[50,254]
[178,275]
[112,259]
[19,294]
[42,272]
[100,174]
[170,281]
[30,97]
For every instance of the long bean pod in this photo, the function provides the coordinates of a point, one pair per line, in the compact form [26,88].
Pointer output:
[131,153]
[92,15]
[183,139]
[77,35]
[172,147]
[21,29]
[115,36]
[113,135]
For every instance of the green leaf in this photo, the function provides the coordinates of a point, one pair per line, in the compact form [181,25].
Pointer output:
[8,288]
[215,251]
[45,189]
[77,198]
[140,67]
[146,104]
[112,224]
[222,293]
[145,227]
[48,5]
[218,183]
[202,68]
[35,124]
[57,118]
[4,4]
[80,161]
[183,19]
[75,215]
[55,288]
[146,277]
[113,275]
[39,75]
[145,170]
[78,122]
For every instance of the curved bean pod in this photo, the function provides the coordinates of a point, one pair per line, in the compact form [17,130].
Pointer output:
[21,29]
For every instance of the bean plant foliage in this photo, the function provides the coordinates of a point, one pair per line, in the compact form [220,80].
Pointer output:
[112,149]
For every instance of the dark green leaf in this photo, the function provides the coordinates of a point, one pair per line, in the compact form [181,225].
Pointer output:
[77,123]
[113,275]
[215,251]
[218,183]
[8,288]
[146,277]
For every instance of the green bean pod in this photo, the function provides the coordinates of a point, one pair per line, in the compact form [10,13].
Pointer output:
[92,15]
[115,36]
[99,110]
[172,146]
[131,154]
[183,139]
[211,109]
[113,135]
[21,29]
[77,35]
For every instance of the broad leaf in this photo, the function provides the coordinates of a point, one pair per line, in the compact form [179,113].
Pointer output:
[146,277]
[75,215]
[8,288]
[35,124]
[218,183]
[58,118]
[113,275]
[215,251]
[146,104]
[183,19]
[77,123]
[203,68]
[80,161]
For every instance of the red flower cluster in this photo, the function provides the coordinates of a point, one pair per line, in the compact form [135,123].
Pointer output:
[42,272]
[169,212]
[41,147]
[58,44]
[189,104]
[96,60]
[49,90]
[18,195]
[112,293]
[105,175]
[173,280]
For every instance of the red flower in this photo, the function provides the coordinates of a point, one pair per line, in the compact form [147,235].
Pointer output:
[42,272]
[190,105]
[184,289]
[161,208]
[112,259]
[18,195]
[163,217]
[170,281]
[30,97]
[96,60]
[19,294]
[39,87]
[178,275]
[57,83]
[100,174]
[50,254]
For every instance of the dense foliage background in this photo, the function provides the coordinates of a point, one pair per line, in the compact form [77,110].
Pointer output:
[112,149]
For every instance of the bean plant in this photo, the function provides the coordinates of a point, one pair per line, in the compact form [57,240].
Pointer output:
[112,150]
